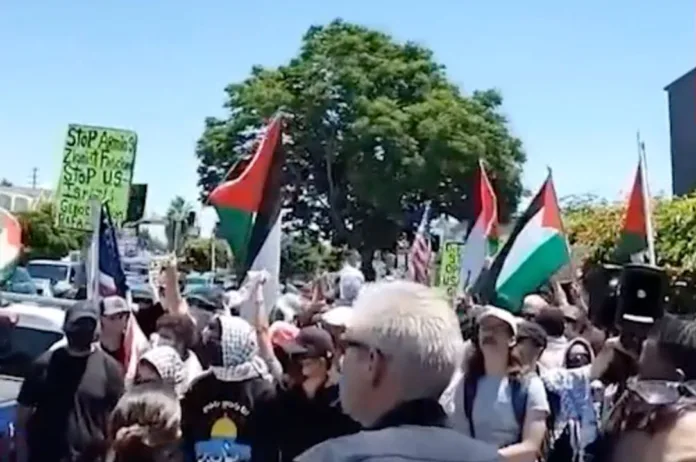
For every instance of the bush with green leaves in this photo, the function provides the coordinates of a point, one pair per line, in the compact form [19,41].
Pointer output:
[595,226]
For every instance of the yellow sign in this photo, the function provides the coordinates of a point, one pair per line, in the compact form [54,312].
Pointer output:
[449,267]
[97,164]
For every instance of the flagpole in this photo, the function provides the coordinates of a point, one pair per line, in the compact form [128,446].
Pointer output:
[93,280]
[642,159]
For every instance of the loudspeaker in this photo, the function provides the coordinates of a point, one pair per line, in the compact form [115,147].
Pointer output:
[642,292]
[602,285]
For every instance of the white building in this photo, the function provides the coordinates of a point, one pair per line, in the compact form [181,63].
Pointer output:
[21,199]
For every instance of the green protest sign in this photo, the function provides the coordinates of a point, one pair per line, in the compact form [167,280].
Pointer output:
[450,263]
[97,163]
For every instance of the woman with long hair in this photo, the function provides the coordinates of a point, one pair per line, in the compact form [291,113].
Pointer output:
[499,400]
[145,426]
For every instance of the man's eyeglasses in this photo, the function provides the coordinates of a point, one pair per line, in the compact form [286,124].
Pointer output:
[346,343]
[660,392]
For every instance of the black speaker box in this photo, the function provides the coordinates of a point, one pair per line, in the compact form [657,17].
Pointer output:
[602,286]
[642,292]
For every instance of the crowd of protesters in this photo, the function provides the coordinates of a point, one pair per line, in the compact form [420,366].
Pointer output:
[373,372]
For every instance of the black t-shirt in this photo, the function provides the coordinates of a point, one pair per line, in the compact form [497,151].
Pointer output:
[72,397]
[221,419]
[296,423]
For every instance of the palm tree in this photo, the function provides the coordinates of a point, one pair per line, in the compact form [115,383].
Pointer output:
[177,226]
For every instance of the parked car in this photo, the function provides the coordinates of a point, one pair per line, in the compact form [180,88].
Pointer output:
[60,274]
[20,282]
[26,331]
[195,280]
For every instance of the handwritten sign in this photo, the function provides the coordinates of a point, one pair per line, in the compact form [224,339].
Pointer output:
[449,267]
[97,163]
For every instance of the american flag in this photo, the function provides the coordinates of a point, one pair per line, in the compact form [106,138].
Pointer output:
[110,279]
[421,251]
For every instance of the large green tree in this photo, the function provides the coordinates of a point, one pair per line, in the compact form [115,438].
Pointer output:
[373,128]
[198,254]
[40,237]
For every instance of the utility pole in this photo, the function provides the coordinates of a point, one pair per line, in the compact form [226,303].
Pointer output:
[34,176]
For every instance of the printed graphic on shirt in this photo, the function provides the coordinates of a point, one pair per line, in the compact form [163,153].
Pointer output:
[222,445]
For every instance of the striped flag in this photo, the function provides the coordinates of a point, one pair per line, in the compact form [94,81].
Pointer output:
[482,239]
[110,279]
[421,251]
[634,242]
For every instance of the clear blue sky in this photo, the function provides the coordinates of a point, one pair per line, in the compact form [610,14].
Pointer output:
[578,78]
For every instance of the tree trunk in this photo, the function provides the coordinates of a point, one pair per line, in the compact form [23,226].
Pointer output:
[366,255]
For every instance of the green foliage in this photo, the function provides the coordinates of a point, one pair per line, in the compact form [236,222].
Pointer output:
[373,127]
[197,254]
[176,228]
[42,239]
[596,227]
[300,257]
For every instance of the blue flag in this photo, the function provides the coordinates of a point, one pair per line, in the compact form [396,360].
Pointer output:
[112,279]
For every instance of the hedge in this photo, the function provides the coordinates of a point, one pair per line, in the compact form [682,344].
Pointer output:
[595,226]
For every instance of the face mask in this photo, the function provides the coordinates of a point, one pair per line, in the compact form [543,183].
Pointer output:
[80,340]
[212,349]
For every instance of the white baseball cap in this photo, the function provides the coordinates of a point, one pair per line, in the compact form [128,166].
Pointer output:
[339,316]
[501,314]
[114,304]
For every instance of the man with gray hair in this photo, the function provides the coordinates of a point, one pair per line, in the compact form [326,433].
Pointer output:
[400,350]
[350,279]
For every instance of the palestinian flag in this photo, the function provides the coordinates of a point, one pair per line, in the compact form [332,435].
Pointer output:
[248,207]
[10,243]
[482,239]
[536,249]
[633,242]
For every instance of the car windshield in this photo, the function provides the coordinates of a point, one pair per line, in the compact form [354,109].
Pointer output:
[136,269]
[48,271]
[20,283]
[20,346]
[196,281]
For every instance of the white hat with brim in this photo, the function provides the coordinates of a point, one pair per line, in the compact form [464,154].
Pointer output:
[339,316]
[501,314]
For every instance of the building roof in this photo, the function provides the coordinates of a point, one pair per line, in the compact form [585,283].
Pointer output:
[688,75]
[34,193]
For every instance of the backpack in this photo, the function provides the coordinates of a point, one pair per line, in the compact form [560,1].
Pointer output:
[519,391]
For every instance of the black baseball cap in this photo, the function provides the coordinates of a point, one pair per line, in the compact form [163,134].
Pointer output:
[532,331]
[311,341]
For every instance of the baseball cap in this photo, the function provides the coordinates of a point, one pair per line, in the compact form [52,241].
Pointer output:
[501,314]
[532,331]
[311,341]
[81,310]
[114,304]
[282,332]
[339,316]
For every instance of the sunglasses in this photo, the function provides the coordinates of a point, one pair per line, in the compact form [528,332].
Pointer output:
[660,392]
